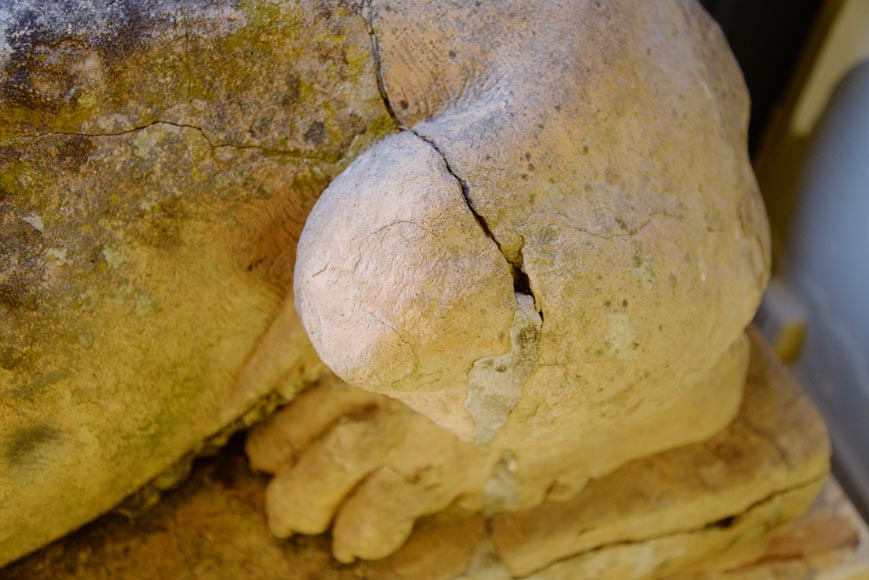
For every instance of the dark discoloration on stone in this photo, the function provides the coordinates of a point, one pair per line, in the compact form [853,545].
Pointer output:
[10,358]
[73,151]
[21,266]
[15,295]
[293,91]
[130,27]
[316,132]
[34,386]
[48,40]
[24,443]
[27,82]
[161,226]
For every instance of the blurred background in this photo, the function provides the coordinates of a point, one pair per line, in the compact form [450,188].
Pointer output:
[806,64]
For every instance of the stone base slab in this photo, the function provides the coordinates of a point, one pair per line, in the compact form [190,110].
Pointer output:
[711,511]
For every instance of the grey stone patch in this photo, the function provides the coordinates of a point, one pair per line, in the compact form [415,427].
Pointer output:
[495,382]
[502,488]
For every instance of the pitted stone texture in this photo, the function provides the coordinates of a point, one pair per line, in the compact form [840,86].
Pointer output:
[157,162]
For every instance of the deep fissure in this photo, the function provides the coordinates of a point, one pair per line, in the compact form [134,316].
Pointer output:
[521,282]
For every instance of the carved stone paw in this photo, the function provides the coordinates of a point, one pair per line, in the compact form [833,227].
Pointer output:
[365,465]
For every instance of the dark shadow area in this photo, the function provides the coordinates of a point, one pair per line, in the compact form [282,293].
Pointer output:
[766,38]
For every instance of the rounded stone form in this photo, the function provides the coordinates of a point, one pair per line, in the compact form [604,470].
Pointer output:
[605,161]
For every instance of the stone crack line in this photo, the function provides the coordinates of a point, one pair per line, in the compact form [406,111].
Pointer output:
[521,283]
[629,231]
[381,87]
[208,139]
[378,63]
[463,185]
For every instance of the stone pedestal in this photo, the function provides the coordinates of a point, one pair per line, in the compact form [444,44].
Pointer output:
[714,510]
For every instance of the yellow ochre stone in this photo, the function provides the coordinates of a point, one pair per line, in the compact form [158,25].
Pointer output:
[153,182]
[538,249]
[700,509]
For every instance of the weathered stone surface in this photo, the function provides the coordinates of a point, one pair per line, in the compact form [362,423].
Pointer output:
[570,206]
[681,506]
[672,512]
[601,148]
[829,542]
[365,465]
[157,162]
[397,198]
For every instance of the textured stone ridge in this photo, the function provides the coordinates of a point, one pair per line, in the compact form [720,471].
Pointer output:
[157,162]
[717,503]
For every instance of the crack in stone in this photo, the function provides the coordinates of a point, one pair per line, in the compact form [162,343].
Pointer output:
[521,282]
[466,192]
[485,386]
[402,339]
[378,62]
[630,232]
[294,153]
[105,134]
